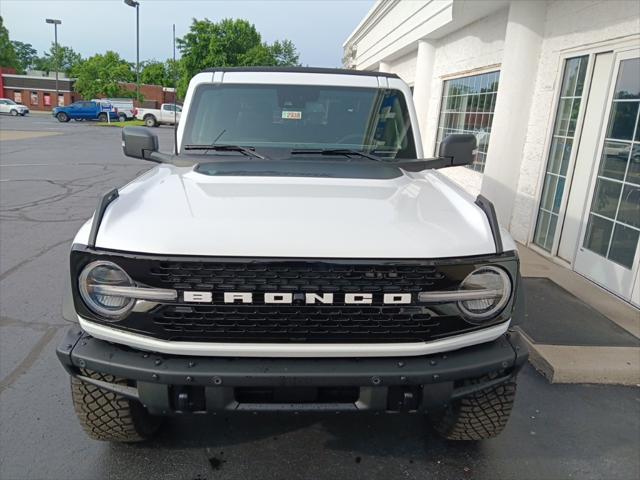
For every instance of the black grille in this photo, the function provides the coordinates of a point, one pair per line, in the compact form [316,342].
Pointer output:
[217,321]
[297,276]
[301,323]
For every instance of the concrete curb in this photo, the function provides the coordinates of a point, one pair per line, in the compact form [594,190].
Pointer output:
[585,364]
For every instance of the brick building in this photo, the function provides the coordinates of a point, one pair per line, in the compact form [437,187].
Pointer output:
[153,95]
[37,90]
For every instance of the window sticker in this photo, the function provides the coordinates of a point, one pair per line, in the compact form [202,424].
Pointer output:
[291,115]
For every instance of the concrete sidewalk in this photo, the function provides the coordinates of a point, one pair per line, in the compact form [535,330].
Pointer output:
[580,333]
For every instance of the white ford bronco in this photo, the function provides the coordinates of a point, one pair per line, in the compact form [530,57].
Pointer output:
[295,253]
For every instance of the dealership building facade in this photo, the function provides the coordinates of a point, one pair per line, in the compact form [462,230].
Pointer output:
[552,91]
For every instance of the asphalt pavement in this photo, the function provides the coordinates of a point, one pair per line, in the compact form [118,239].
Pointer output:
[50,184]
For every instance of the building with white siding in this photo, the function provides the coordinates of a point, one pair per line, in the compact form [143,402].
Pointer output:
[552,91]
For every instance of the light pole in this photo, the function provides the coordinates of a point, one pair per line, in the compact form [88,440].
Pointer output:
[55,23]
[133,3]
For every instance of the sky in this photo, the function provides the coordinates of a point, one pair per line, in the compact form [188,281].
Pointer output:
[317,28]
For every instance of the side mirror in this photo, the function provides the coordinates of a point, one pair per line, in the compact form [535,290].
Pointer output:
[139,142]
[459,148]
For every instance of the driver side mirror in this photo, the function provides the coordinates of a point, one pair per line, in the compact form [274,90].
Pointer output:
[459,148]
[139,142]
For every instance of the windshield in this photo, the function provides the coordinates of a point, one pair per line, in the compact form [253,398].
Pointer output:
[10,102]
[302,117]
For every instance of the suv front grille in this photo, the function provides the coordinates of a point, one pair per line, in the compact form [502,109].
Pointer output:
[297,276]
[305,323]
[298,322]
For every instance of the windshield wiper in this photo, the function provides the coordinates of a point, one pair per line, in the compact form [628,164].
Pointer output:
[226,148]
[337,151]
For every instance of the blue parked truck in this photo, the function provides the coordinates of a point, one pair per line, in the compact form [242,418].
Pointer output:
[84,110]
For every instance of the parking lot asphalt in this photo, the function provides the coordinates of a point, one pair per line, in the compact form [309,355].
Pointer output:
[49,185]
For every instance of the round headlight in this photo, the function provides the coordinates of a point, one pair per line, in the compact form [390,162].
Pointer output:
[493,287]
[99,274]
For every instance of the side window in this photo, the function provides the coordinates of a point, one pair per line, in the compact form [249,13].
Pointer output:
[393,133]
[167,108]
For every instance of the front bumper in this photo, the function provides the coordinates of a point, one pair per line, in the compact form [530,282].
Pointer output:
[170,384]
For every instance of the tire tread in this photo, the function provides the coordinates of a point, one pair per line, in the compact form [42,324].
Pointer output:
[479,416]
[106,416]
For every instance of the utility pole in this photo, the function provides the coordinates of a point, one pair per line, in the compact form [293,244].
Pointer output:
[55,23]
[133,3]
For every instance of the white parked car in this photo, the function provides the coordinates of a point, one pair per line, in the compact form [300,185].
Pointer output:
[295,253]
[167,114]
[10,107]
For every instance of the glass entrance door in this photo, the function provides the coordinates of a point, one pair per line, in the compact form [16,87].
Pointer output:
[609,248]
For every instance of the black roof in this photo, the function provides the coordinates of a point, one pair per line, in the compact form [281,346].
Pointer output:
[334,71]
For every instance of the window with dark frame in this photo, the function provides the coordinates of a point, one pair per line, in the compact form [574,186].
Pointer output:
[467,106]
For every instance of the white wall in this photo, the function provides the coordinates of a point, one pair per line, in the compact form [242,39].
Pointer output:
[393,26]
[471,48]
[569,25]
[405,67]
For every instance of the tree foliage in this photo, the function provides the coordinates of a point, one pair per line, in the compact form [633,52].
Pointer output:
[154,72]
[228,43]
[8,57]
[26,54]
[65,59]
[100,75]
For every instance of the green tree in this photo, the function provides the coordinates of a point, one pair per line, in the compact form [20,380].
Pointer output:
[153,73]
[64,58]
[26,54]
[8,57]
[160,73]
[172,69]
[285,53]
[228,43]
[101,75]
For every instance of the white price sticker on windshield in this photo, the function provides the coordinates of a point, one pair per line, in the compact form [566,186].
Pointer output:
[291,115]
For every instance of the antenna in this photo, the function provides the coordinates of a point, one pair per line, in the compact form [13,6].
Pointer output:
[175,95]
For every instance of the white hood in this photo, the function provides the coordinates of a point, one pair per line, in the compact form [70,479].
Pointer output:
[177,211]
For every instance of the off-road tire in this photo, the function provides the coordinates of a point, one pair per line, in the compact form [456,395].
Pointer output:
[150,121]
[107,416]
[102,117]
[479,416]
[62,117]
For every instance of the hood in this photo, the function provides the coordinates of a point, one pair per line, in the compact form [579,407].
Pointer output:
[178,211]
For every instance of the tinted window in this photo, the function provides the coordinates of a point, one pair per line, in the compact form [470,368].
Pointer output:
[301,116]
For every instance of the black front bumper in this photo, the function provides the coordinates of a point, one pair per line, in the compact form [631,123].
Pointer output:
[168,384]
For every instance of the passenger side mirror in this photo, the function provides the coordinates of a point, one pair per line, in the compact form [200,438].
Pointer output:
[459,148]
[139,142]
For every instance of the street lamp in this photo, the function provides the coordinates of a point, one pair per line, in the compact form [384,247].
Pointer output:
[55,23]
[133,3]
